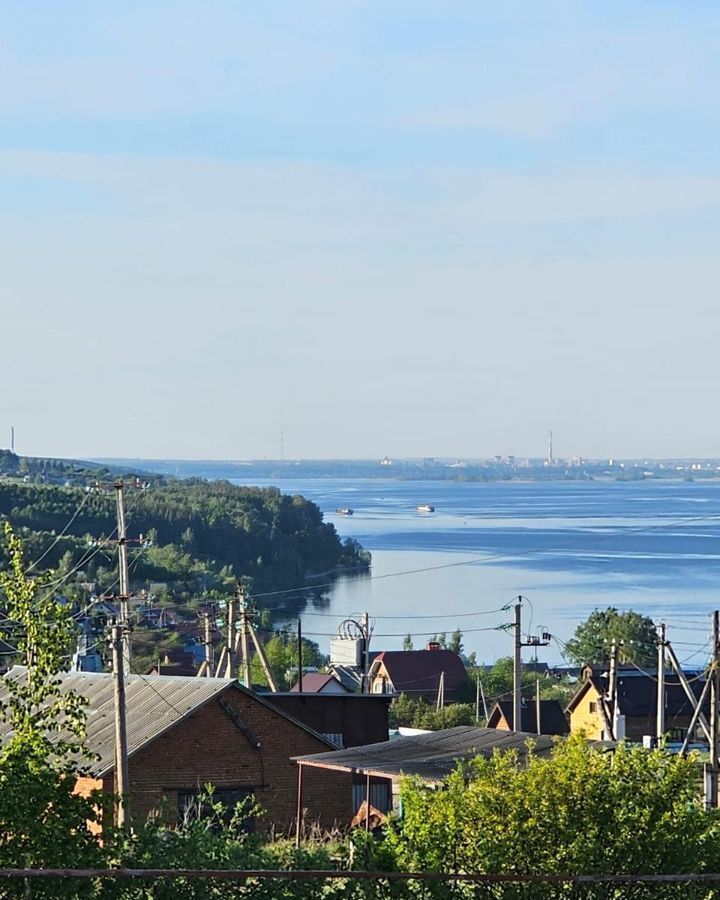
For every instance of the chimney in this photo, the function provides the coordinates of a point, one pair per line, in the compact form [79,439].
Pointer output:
[433,645]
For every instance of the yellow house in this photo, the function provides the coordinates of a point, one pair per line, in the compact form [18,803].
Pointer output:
[591,712]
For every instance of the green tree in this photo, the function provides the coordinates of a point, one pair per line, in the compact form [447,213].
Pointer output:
[42,822]
[408,642]
[635,633]
[455,643]
[579,810]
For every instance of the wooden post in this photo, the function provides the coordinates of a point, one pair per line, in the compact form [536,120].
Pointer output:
[123,576]
[660,724]
[244,639]
[122,776]
[230,657]
[263,659]
[367,803]
[674,662]
[208,646]
[517,669]
[299,656]
[298,814]
[484,701]
[714,700]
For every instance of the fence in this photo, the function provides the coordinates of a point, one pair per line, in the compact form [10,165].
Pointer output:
[347,885]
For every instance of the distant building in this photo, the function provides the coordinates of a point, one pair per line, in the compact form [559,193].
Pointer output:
[320,683]
[552,717]
[592,714]
[418,673]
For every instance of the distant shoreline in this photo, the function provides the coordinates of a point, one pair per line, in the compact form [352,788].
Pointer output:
[491,471]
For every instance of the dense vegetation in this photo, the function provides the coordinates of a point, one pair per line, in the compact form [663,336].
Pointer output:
[199,539]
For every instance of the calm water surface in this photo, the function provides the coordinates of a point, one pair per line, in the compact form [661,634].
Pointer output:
[569,547]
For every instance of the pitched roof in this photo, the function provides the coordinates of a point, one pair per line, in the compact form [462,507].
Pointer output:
[637,694]
[552,717]
[154,705]
[419,670]
[431,756]
[315,682]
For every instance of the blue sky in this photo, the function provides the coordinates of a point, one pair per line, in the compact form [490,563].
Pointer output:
[409,228]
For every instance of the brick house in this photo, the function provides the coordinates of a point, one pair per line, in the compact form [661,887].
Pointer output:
[185,733]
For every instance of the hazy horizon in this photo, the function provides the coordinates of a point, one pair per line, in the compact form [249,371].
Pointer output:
[372,227]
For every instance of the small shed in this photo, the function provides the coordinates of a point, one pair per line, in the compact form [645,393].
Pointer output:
[552,717]
[432,756]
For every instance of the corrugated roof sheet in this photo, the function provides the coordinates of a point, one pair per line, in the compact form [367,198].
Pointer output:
[430,756]
[154,704]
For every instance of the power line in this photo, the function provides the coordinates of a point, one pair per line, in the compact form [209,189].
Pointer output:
[475,560]
[61,535]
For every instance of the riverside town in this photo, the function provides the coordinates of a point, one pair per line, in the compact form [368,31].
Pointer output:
[359,456]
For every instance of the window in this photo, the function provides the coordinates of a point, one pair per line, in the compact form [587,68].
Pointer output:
[191,806]
[334,738]
[593,706]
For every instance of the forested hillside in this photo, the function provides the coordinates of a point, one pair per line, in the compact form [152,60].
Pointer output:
[199,537]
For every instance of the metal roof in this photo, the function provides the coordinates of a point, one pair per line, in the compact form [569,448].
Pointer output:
[154,703]
[431,756]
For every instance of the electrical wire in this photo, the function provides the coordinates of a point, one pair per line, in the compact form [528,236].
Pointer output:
[61,535]
[478,560]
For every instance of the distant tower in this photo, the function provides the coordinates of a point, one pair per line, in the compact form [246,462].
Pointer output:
[550,450]
[12,438]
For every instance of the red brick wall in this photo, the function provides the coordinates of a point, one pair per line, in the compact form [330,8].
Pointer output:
[208,748]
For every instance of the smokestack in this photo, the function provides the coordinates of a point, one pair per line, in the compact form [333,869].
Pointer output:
[433,645]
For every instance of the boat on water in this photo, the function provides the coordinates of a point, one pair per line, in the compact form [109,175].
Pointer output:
[425,507]
[344,511]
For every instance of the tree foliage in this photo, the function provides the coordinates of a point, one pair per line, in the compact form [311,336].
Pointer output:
[580,810]
[417,712]
[42,822]
[634,633]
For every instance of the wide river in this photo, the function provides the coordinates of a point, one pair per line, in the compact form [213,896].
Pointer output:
[567,547]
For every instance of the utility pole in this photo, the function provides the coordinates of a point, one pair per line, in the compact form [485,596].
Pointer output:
[299,656]
[484,701]
[231,638]
[122,777]
[441,692]
[714,723]
[245,647]
[660,726]
[612,688]
[538,726]
[477,698]
[206,669]
[124,577]
[365,688]
[517,669]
